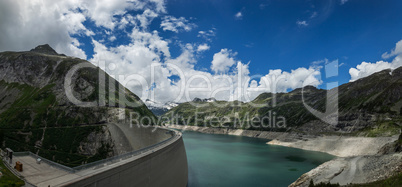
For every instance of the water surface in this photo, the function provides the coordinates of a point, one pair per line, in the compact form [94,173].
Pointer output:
[224,160]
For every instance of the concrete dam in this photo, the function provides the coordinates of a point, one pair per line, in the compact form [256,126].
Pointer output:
[149,157]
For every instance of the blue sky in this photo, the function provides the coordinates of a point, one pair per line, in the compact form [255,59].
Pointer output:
[267,33]
[271,38]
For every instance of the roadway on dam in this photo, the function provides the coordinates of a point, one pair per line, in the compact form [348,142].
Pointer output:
[158,159]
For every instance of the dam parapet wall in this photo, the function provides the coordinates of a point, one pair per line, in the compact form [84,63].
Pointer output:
[159,160]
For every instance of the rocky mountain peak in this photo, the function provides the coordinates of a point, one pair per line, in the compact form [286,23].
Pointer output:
[159,108]
[45,49]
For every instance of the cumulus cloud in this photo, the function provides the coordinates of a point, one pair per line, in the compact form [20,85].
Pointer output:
[222,61]
[25,24]
[367,68]
[203,47]
[282,81]
[170,23]
[104,13]
[144,62]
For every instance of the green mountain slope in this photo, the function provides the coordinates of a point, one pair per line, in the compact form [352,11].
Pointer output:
[369,106]
[37,116]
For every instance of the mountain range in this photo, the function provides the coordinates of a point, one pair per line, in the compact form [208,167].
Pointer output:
[36,114]
[370,106]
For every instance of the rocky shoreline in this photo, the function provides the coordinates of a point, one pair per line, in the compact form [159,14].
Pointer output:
[359,158]
[356,170]
[238,132]
[340,146]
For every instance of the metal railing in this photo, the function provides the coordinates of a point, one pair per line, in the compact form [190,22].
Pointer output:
[118,158]
[10,168]
[51,163]
[104,162]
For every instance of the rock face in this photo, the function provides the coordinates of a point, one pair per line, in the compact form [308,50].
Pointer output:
[44,49]
[371,106]
[361,169]
[37,115]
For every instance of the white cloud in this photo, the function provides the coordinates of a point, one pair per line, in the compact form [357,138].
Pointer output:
[203,47]
[318,62]
[150,40]
[145,18]
[367,68]
[222,61]
[144,56]
[396,51]
[104,12]
[173,24]
[25,24]
[207,35]
[112,38]
[282,81]
[249,45]
[302,23]
[148,56]
[140,60]
[344,1]
[239,15]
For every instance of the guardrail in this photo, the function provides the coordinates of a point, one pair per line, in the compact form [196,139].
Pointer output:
[10,168]
[60,166]
[125,155]
[101,163]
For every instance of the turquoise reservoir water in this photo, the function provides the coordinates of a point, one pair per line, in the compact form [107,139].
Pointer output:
[224,160]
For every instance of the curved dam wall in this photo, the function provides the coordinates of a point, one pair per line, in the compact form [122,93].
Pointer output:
[129,138]
[165,165]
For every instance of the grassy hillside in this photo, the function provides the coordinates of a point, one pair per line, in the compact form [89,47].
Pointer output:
[37,116]
[370,106]
[8,178]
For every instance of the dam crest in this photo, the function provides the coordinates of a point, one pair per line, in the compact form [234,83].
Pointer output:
[153,156]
